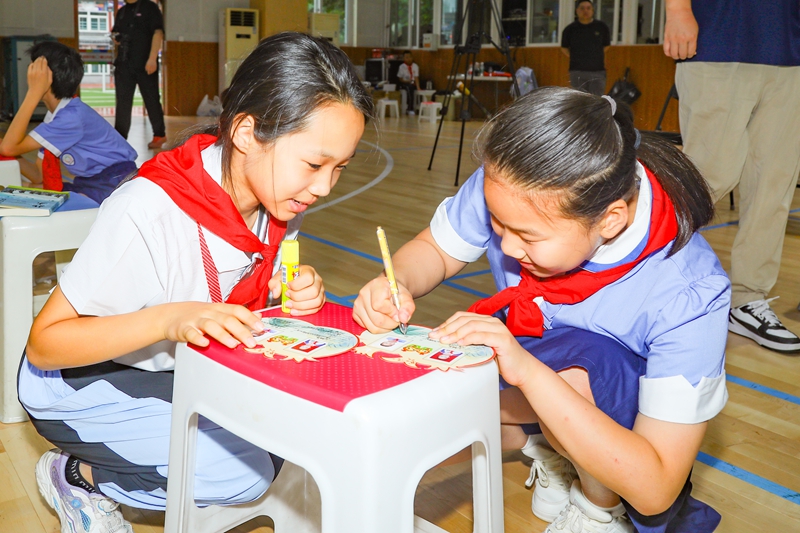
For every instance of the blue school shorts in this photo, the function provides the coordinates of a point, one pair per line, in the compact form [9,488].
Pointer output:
[614,373]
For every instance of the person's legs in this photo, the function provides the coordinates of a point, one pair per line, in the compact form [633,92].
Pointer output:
[738,122]
[117,420]
[607,374]
[124,88]
[148,86]
[596,83]
[768,180]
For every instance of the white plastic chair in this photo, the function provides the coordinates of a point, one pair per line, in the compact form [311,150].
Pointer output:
[423,95]
[9,173]
[429,111]
[366,460]
[391,105]
[21,240]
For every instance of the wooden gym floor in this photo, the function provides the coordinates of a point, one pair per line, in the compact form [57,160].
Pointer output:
[749,466]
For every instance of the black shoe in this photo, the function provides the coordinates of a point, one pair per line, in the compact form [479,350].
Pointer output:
[758,321]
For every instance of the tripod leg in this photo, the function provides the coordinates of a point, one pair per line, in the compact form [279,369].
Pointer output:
[460,148]
[446,103]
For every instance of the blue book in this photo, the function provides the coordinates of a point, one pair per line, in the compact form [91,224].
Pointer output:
[26,202]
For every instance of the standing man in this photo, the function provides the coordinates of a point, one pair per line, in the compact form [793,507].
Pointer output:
[585,42]
[139,32]
[740,122]
[408,74]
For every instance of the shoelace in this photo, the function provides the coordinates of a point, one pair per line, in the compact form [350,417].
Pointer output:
[571,516]
[558,465]
[763,312]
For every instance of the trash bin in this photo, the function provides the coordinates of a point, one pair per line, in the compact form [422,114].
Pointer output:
[453,109]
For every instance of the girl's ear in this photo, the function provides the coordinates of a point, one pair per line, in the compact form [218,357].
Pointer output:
[243,132]
[615,220]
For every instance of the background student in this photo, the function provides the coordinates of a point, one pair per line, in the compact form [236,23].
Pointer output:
[408,74]
[72,134]
[613,307]
[585,42]
[185,251]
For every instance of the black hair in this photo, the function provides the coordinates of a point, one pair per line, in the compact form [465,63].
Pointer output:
[564,141]
[65,63]
[284,80]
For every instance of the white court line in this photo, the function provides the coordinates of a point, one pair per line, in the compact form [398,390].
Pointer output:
[381,176]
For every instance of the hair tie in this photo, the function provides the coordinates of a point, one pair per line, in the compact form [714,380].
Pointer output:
[638,140]
[613,104]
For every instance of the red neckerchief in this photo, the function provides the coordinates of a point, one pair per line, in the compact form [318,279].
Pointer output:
[51,172]
[181,174]
[525,317]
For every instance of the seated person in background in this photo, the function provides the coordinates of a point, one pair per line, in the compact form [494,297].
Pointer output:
[72,132]
[408,74]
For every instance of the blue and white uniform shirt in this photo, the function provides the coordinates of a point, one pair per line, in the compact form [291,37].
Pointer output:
[83,140]
[672,311]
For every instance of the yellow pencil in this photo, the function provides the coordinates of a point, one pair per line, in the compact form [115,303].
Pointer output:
[387,266]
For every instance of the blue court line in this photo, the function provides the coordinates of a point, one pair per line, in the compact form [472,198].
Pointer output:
[377,259]
[472,274]
[763,389]
[749,477]
[337,299]
[736,222]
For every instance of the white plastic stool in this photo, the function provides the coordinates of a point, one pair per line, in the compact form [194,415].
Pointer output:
[9,173]
[423,95]
[21,240]
[388,103]
[366,460]
[429,111]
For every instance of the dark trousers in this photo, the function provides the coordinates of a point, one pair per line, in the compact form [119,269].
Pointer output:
[126,80]
[410,89]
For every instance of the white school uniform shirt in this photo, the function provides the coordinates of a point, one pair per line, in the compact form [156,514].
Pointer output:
[672,311]
[143,250]
[406,75]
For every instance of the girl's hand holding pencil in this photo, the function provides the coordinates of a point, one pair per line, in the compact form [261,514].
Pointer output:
[374,311]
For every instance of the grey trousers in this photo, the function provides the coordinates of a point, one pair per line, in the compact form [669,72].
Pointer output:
[593,82]
[740,124]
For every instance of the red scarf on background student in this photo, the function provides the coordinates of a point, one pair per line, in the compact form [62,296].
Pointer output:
[524,316]
[51,172]
[181,174]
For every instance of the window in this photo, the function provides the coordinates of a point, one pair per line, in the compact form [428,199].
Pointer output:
[544,22]
[399,18]
[332,6]
[82,23]
[606,10]
[450,19]
[649,22]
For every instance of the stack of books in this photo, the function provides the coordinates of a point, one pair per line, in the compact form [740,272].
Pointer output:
[25,202]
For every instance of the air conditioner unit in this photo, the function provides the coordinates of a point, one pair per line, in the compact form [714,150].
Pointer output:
[238,35]
[325,25]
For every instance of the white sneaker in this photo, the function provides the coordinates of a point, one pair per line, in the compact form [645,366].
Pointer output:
[411,113]
[78,510]
[756,320]
[553,475]
[582,516]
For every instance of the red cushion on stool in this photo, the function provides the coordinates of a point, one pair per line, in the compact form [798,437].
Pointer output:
[331,381]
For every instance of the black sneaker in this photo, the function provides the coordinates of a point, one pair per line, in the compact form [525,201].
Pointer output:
[758,321]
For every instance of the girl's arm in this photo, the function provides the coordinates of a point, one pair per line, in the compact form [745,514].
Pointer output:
[420,266]
[647,466]
[61,338]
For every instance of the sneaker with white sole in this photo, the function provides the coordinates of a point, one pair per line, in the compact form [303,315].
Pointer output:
[78,510]
[553,475]
[582,516]
[756,320]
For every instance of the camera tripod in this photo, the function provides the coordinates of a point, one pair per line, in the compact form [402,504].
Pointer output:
[473,15]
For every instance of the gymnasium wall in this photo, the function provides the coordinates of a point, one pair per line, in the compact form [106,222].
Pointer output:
[651,71]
